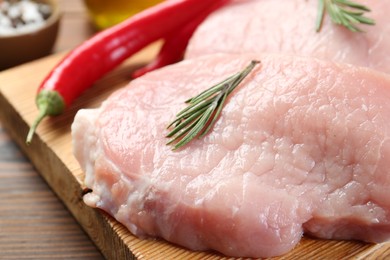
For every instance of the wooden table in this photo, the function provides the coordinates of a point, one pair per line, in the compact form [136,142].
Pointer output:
[34,224]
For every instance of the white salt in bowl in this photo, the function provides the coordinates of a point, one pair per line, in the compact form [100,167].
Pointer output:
[27,44]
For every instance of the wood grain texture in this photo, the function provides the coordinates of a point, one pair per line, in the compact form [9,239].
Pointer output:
[34,224]
[51,153]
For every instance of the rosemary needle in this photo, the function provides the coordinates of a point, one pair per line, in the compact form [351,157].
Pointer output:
[203,110]
[343,12]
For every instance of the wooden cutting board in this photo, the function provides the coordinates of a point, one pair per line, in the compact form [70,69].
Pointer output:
[51,153]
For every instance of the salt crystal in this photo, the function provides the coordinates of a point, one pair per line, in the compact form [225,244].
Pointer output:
[5,21]
[31,12]
[22,16]
[14,11]
[45,10]
[4,7]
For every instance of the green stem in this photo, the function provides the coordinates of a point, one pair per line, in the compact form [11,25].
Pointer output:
[320,15]
[49,103]
[42,114]
[199,117]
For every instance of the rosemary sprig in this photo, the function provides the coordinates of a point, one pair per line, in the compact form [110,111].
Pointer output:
[203,110]
[343,12]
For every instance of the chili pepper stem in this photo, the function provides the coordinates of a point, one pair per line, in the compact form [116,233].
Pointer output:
[49,103]
[42,114]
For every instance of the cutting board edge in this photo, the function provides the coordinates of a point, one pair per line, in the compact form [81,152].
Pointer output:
[92,217]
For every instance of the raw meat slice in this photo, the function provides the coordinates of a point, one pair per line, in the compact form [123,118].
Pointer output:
[301,146]
[279,26]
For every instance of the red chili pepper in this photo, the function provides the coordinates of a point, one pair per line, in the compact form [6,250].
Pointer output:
[106,50]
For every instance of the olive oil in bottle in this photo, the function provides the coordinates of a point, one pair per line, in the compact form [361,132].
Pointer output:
[107,13]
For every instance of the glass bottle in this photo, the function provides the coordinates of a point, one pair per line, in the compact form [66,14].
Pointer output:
[106,13]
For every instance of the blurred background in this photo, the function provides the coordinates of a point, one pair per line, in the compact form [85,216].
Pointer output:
[23,37]
[107,13]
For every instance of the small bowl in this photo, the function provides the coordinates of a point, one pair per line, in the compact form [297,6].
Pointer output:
[27,46]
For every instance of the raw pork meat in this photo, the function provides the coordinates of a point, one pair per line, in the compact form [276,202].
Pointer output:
[302,145]
[280,26]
